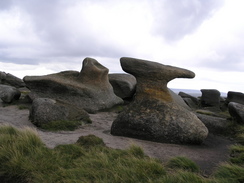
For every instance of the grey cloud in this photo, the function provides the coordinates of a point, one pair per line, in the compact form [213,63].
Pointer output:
[5,4]
[175,19]
[52,27]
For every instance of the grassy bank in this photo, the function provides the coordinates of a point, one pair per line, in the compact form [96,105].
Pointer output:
[24,158]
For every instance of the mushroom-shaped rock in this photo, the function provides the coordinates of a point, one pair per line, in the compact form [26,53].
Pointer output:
[154,114]
[88,89]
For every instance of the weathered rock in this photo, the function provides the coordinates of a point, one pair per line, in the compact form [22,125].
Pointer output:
[185,95]
[237,97]
[9,93]
[88,89]
[236,110]
[215,125]
[210,98]
[190,103]
[9,79]
[124,85]
[153,114]
[177,99]
[45,110]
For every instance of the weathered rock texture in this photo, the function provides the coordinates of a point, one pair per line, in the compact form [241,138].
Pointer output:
[9,79]
[154,114]
[236,110]
[45,110]
[88,89]
[9,93]
[237,97]
[124,85]
[210,98]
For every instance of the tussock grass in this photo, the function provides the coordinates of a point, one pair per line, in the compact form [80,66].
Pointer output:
[24,158]
[230,173]
[237,154]
[183,163]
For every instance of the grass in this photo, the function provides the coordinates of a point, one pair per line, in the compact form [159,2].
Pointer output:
[64,125]
[24,158]
[183,163]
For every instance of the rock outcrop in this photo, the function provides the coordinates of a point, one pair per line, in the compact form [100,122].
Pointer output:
[88,89]
[45,110]
[236,111]
[9,79]
[124,85]
[154,114]
[9,93]
[237,97]
[210,98]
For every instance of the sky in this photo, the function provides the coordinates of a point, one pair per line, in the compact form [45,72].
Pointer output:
[39,37]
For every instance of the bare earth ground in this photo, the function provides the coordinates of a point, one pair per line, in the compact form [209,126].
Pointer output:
[208,155]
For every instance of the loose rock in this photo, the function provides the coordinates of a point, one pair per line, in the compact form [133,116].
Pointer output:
[45,110]
[9,93]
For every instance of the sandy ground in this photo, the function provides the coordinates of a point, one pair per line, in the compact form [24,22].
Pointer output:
[208,155]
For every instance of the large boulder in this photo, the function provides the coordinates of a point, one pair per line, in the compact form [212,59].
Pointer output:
[154,114]
[236,111]
[45,110]
[237,97]
[88,89]
[124,85]
[210,98]
[9,93]
[9,79]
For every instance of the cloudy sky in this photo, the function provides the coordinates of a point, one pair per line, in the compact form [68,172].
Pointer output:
[39,37]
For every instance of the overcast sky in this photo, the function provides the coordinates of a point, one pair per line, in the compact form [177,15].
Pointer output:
[39,37]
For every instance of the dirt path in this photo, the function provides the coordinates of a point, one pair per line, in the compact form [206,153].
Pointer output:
[208,155]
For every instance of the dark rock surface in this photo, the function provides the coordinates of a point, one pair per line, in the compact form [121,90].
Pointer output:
[124,85]
[188,96]
[154,114]
[45,110]
[9,93]
[215,125]
[88,89]
[210,98]
[236,110]
[237,97]
[9,79]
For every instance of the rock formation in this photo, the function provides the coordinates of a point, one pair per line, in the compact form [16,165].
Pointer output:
[154,114]
[237,97]
[45,110]
[9,79]
[124,85]
[236,110]
[88,89]
[9,93]
[210,98]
